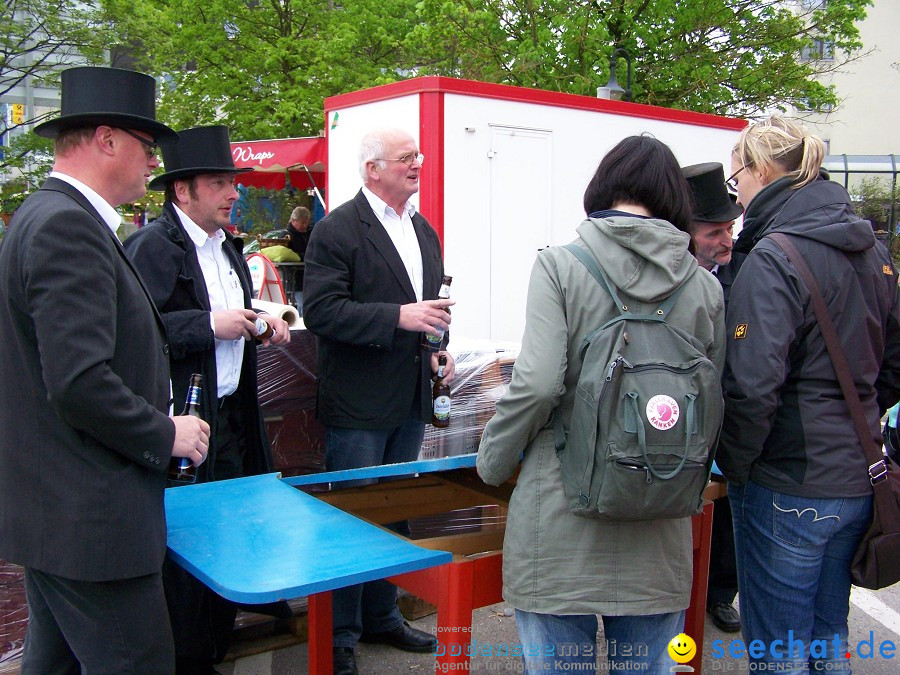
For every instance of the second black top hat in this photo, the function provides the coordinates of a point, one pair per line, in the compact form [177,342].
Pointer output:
[198,150]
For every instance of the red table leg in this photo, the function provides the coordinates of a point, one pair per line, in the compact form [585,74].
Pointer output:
[457,589]
[695,617]
[320,628]
[454,618]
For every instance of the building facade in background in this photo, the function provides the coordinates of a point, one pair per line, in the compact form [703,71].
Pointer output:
[869,88]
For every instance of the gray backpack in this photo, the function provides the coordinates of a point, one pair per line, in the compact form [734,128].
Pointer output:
[647,415]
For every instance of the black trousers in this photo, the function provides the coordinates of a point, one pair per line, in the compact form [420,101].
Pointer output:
[202,620]
[96,627]
[723,583]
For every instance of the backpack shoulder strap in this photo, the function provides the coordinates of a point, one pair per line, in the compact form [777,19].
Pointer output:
[588,261]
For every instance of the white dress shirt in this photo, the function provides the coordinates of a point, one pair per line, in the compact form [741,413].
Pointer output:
[223,287]
[400,229]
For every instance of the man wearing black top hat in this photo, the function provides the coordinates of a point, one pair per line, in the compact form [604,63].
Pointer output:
[84,394]
[711,242]
[201,285]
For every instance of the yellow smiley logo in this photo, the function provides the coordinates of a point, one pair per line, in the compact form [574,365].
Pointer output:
[682,648]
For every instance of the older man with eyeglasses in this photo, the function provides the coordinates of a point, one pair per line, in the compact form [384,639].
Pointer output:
[373,271]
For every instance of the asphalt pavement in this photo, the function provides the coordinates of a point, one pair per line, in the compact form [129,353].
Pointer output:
[874,645]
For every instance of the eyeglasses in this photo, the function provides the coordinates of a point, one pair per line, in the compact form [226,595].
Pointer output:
[730,182]
[149,146]
[407,159]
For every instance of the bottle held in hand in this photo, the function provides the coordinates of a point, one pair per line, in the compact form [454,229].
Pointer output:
[264,329]
[440,395]
[181,469]
[432,343]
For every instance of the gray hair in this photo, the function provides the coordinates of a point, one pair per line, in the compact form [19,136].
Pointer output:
[370,150]
[300,214]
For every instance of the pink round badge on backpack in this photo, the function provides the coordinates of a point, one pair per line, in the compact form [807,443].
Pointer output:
[662,412]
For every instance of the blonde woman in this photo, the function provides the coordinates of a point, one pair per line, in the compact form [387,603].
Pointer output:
[798,483]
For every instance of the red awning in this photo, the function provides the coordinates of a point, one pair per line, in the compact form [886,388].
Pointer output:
[276,159]
[281,153]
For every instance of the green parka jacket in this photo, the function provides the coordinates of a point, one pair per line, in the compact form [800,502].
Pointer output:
[553,561]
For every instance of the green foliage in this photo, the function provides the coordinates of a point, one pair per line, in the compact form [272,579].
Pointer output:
[873,199]
[12,194]
[262,67]
[32,156]
[737,57]
[264,210]
[39,38]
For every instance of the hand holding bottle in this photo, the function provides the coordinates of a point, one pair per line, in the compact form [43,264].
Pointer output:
[271,329]
[433,340]
[449,367]
[191,439]
[191,436]
[233,324]
[427,316]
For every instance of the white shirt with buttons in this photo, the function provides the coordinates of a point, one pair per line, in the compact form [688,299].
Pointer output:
[401,231]
[223,286]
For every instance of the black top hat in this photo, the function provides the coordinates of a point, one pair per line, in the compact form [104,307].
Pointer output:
[712,203]
[198,150]
[95,96]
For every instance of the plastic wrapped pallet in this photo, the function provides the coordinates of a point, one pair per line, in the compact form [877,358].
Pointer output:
[13,616]
[287,394]
[483,369]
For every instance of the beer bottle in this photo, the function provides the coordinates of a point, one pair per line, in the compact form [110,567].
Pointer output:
[181,469]
[264,330]
[440,395]
[432,343]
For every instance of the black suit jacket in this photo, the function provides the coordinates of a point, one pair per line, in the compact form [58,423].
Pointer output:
[84,387]
[167,259]
[370,372]
[726,274]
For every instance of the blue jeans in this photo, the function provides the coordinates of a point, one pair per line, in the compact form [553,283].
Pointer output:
[564,643]
[369,607]
[794,557]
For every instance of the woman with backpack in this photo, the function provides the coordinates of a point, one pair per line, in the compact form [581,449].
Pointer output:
[561,570]
[798,482]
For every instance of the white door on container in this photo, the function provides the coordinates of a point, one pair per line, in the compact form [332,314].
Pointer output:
[520,221]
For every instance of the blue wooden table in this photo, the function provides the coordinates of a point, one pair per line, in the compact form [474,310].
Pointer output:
[257,539]
[260,539]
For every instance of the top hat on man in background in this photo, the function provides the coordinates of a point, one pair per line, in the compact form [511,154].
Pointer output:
[712,202]
[714,214]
